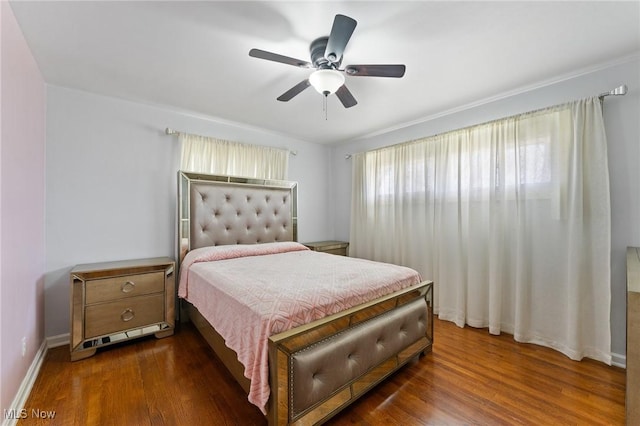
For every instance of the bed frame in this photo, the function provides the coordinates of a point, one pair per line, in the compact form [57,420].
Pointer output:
[319,368]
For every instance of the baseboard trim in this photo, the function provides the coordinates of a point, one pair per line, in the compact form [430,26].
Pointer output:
[59,340]
[618,360]
[27,384]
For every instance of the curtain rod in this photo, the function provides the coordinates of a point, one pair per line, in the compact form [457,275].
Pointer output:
[618,91]
[171,132]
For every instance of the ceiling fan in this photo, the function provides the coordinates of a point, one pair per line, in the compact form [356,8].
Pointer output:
[326,57]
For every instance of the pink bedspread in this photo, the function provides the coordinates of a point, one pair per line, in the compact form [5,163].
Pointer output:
[250,292]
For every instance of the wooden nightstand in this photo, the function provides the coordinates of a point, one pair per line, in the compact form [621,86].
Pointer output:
[334,247]
[116,301]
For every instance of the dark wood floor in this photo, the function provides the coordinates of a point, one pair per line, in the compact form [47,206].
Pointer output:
[470,378]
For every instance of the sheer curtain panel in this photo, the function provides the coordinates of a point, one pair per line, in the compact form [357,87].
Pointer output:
[214,156]
[510,219]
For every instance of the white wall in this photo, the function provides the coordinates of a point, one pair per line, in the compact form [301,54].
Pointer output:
[623,132]
[112,177]
[22,170]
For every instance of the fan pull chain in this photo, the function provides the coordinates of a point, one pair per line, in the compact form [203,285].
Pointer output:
[324,106]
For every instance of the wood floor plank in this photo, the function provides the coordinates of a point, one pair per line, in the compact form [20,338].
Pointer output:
[470,378]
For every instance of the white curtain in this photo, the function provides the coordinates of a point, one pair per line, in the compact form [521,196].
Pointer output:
[510,219]
[214,156]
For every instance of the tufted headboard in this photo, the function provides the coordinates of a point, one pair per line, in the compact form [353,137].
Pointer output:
[221,210]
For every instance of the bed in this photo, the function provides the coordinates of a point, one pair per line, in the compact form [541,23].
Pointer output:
[311,341]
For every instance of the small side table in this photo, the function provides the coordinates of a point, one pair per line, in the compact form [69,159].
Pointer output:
[117,301]
[340,248]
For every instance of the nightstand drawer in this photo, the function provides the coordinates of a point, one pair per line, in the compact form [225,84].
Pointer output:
[107,289]
[340,248]
[341,251]
[124,314]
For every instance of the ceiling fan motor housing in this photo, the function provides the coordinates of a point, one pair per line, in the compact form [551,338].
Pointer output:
[317,49]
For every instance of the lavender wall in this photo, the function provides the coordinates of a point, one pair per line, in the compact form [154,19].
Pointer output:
[22,172]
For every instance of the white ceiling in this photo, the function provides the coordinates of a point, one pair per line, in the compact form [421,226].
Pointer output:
[194,55]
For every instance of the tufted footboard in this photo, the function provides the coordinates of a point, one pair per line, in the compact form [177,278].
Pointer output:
[324,366]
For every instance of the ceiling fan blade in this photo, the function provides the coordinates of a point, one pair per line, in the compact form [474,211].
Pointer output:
[289,94]
[341,31]
[396,71]
[346,97]
[269,56]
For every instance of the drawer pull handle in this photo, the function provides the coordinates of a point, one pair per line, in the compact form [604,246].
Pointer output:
[128,287]
[127,315]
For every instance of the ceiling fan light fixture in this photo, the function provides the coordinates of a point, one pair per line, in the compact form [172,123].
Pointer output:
[326,82]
